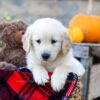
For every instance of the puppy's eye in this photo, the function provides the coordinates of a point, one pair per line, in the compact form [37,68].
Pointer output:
[38,41]
[53,41]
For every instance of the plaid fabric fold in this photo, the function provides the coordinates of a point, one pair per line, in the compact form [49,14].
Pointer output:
[20,85]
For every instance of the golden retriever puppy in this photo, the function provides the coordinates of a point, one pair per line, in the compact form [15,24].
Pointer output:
[48,48]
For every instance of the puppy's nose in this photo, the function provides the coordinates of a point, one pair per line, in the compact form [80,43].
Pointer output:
[45,56]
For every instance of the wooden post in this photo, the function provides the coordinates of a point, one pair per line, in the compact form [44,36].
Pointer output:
[87,63]
[83,51]
[90,7]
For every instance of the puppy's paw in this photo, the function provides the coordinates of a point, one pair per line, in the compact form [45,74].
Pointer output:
[40,76]
[58,81]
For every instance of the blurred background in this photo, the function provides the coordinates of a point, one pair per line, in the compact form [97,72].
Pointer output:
[30,10]
[63,10]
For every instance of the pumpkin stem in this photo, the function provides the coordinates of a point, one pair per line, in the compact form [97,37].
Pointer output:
[90,6]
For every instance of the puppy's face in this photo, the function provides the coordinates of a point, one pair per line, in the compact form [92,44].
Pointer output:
[47,45]
[46,38]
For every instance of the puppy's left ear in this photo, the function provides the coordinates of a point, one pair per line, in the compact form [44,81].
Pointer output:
[67,43]
[26,40]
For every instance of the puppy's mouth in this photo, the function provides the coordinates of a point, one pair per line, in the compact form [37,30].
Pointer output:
[46,60]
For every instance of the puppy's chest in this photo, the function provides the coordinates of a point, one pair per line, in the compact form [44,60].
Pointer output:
[52,67]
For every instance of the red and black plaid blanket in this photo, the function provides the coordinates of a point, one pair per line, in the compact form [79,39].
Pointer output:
[20,85]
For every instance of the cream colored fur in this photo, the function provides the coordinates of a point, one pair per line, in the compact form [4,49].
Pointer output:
[37,40]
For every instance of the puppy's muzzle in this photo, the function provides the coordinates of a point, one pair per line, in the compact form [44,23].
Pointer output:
[45,56]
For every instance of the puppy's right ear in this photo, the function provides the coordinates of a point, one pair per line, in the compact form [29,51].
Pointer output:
[26,40]
[67,43]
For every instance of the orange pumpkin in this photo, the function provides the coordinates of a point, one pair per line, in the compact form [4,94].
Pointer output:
[89,24]
[76,34]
